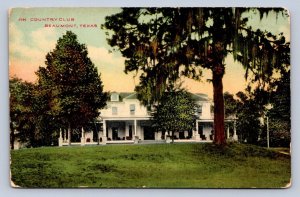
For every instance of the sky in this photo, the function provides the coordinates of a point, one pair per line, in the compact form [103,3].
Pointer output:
[30,39]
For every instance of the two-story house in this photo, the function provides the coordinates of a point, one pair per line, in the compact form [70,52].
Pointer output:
[126,120]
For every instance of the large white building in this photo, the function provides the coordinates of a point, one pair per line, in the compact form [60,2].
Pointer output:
[126,120]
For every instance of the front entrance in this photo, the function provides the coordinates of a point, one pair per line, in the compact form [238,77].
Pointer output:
[181,135]
[201,132]
[115,133]
[148,133]
[130,131]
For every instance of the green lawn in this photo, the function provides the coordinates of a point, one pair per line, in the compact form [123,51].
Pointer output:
[151,166]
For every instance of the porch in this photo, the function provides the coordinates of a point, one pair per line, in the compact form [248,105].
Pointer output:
[133,131]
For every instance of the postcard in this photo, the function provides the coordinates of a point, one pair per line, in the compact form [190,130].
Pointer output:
[150,97]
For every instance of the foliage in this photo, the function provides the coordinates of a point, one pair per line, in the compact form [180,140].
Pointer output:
[230,105]
[280,113]
[29,124]
[46,124]
[22,115]
[69,93]
[274,101]
[251,112]
[70,87]
[166,43]
[175,112]
[248,113]
[151,166]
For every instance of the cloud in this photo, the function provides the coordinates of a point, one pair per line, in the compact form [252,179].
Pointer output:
[44,39]
[111,66]
[27,54]
[102,58]
[15,35]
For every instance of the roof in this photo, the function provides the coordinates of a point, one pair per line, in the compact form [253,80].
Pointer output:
[125,95]
[200,97]
[133,95]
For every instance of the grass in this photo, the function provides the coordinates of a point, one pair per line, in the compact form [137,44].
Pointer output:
[151,166]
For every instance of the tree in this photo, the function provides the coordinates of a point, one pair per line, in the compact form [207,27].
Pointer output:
[46,125]
[248,114]
[69,86]
[30,123]
[275,94]
[280,113]
[21,112]
[230,105]
[175,112]
[166,43]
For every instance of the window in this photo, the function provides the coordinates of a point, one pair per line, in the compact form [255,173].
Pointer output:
[199,110]
[114,110]
[114,97]
[132,109]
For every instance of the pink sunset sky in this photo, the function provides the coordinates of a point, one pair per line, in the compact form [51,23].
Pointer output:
[30,41]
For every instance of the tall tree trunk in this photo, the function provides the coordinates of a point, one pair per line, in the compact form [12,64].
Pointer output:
[218,73]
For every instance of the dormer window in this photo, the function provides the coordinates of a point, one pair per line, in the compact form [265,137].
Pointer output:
[132,109]
[114,97]
[199,110]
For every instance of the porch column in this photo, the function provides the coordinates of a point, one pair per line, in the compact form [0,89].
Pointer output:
[98,141]
[136,138]
[159,134]
[186,134]
[65,135]
[69,136]
[197,135]
[135,127]
[235,137]
[227,133]
[82,137]
[92,136]
[168,137]
[104,137]
[60,139]
[126,130]
[208,135]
